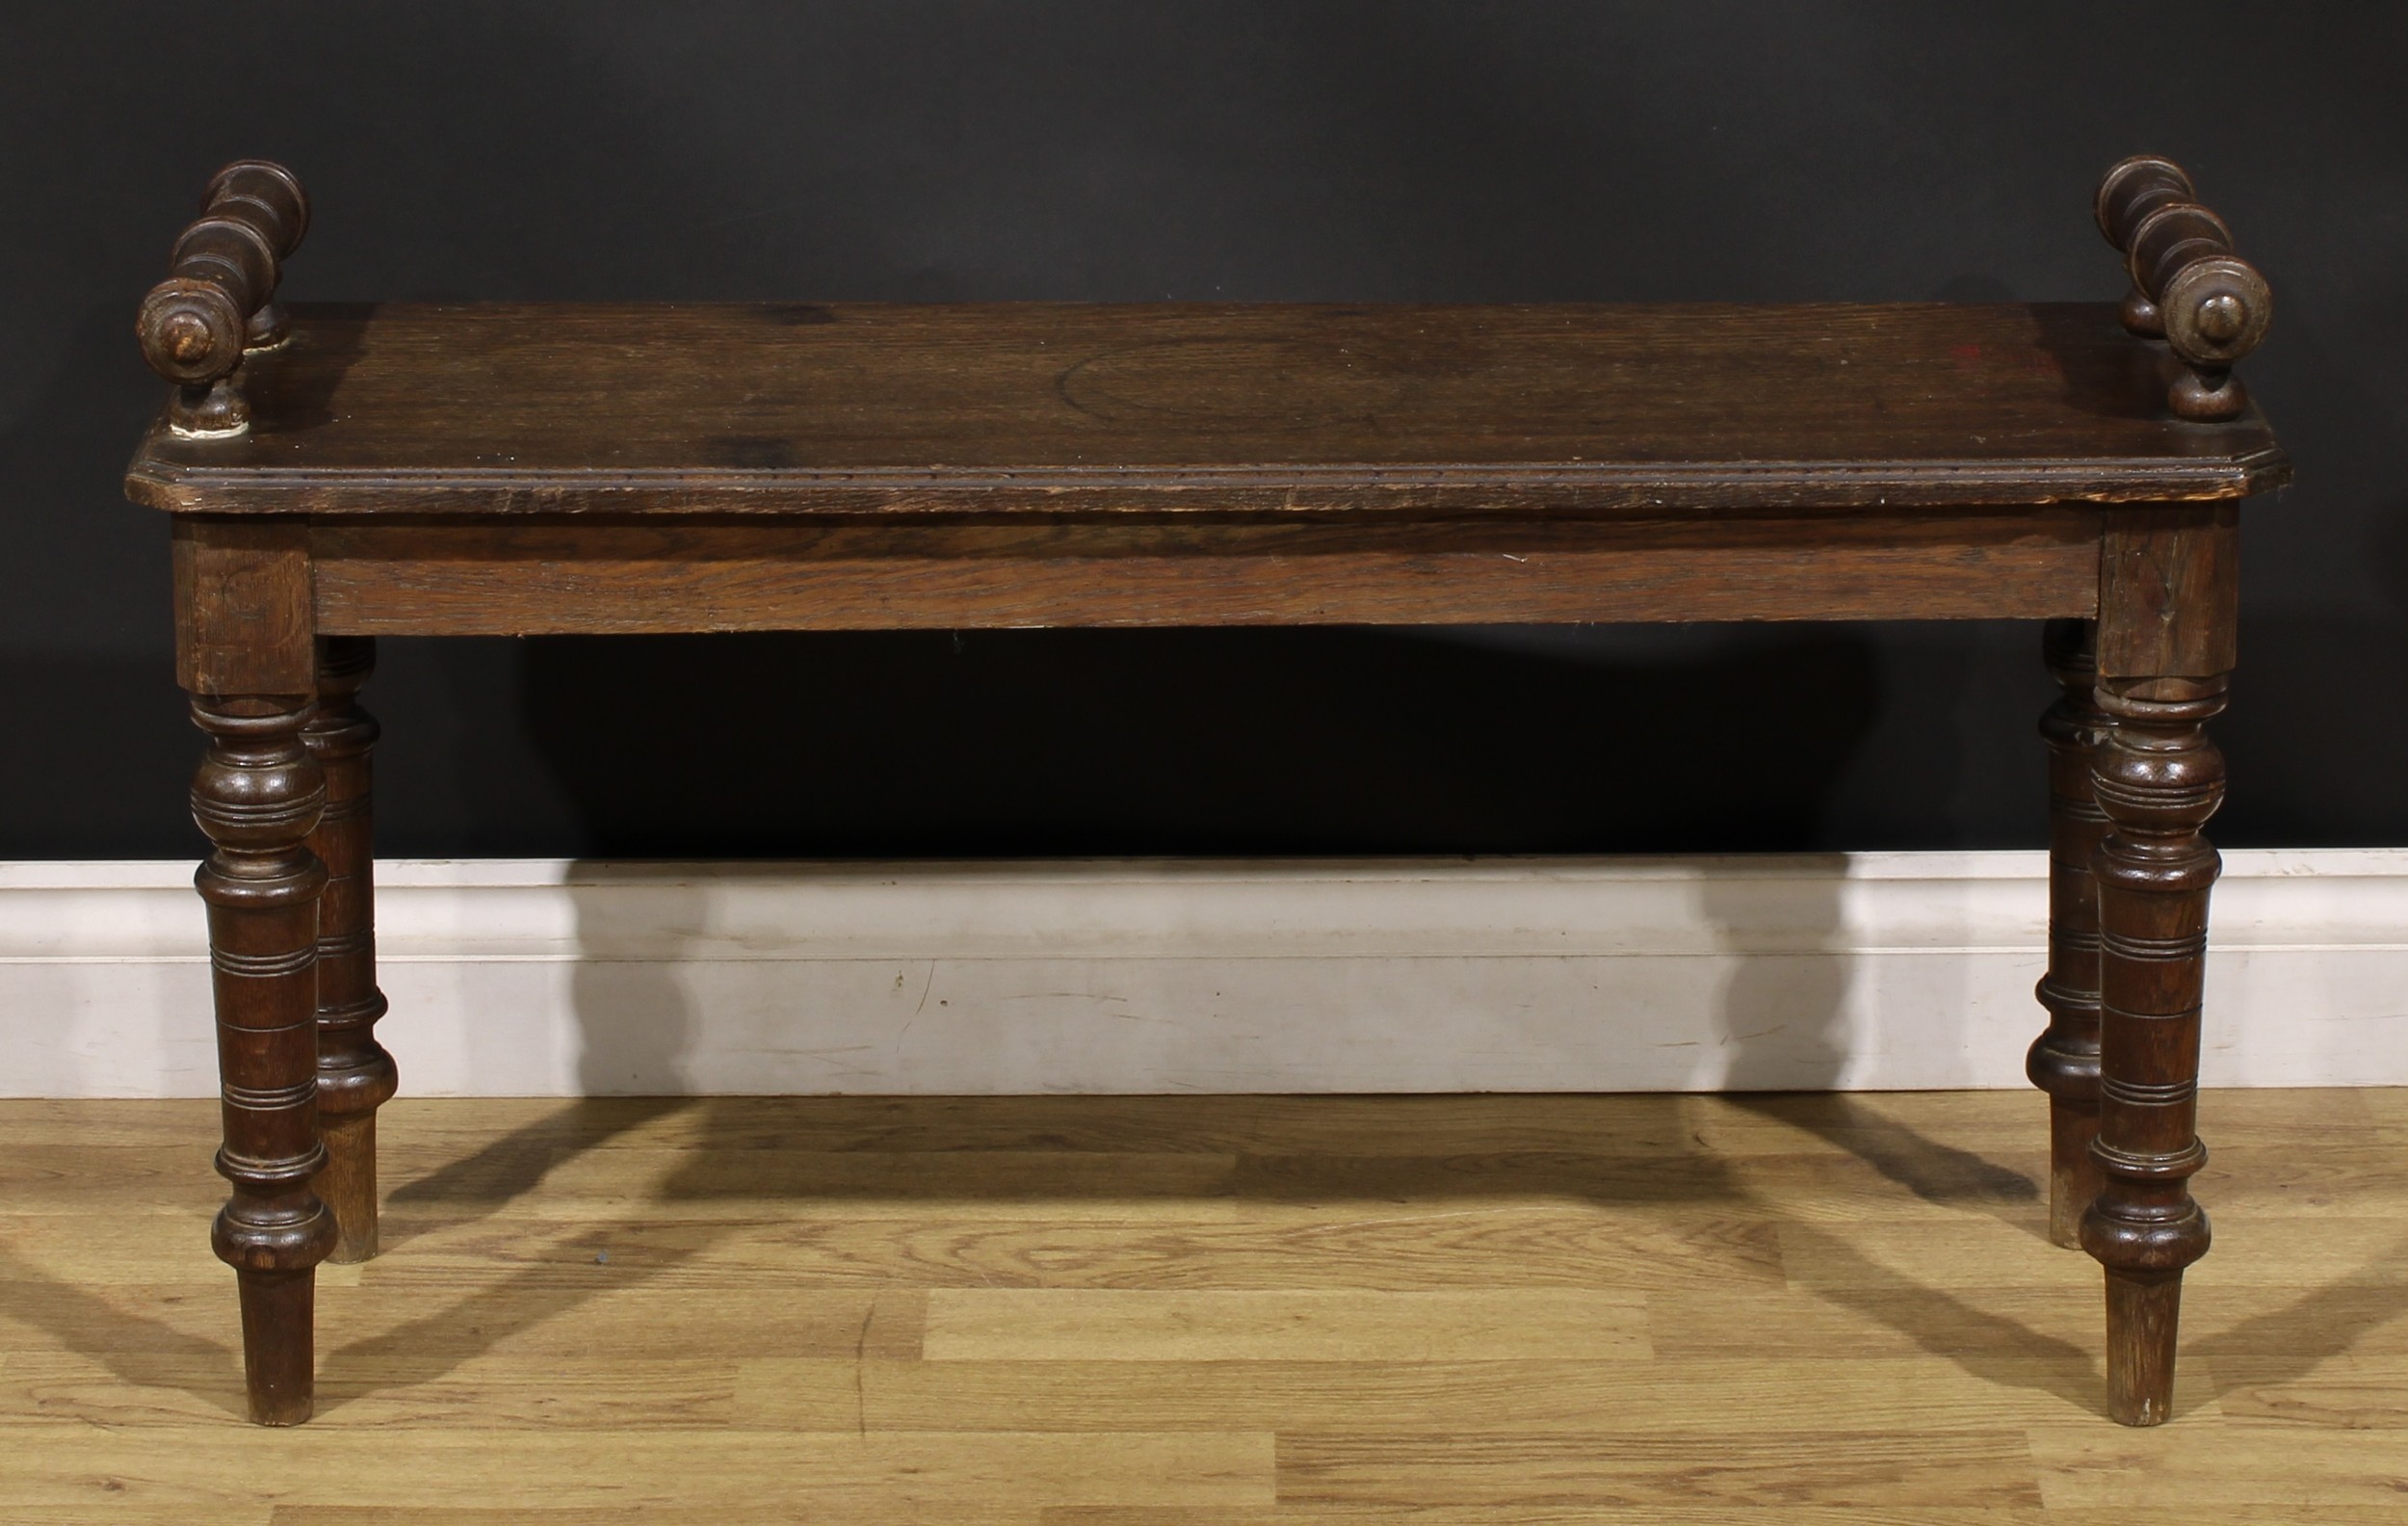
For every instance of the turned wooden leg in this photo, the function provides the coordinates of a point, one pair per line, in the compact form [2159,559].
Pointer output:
[355,1076]
[2167,597]
[2160,779]
[2064,1060]
[257,795]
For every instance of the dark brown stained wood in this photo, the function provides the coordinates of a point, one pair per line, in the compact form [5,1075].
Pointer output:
[356,1075]
[257,795]
[218,304]
[555,576]
[2169,594]
[1101,410]
[2159,779]
[2064,1060]
[2168,591]
[2189,287]
[242,607]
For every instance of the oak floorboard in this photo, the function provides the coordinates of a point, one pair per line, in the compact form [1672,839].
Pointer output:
[617,1317]
[718,1512]
[1696,1514]
[1207,1311]
[484,1393]
[1606,1469]
[2251,1250]
[715,1512]
[1400,1248]
[1263,1324]
[2350,1391]
[115,1512]
[2238,1467]
[1662,1125]
[2248,1178]
[1536,1395]
[210,1467]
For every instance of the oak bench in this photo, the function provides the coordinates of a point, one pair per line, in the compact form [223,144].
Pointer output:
[339,472]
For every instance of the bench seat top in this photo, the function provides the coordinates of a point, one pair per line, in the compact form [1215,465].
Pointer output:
[1089,411]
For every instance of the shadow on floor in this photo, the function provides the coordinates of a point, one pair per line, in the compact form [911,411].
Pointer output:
[138,1349]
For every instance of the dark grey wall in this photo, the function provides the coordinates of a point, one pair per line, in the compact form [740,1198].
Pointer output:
[1258,150]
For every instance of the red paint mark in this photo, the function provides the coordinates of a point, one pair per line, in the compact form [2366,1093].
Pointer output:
[2038,364]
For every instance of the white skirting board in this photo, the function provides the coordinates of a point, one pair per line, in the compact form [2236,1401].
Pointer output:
[1864,971]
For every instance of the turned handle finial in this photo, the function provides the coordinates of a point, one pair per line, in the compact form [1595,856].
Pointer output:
[2189,288]
[220,298]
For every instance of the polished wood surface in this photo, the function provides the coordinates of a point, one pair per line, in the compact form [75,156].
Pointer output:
[1209,1311]
[1059,411]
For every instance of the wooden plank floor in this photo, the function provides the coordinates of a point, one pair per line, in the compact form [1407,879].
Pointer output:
[1207,1311]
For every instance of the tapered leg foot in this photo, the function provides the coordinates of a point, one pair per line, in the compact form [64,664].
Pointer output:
[2144,1314]
[356,1075]
[278,1339]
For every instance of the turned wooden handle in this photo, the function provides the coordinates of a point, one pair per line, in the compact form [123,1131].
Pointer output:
[2189,288]
[220,298]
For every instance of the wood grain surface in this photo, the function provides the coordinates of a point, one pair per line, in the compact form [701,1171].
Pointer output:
[1093,409]
[1207,1311]
[613,576]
